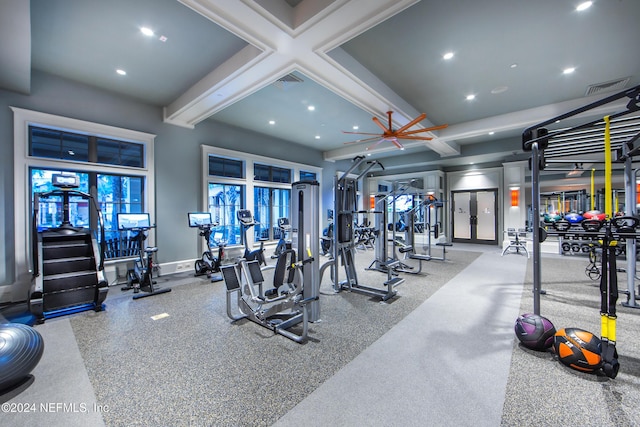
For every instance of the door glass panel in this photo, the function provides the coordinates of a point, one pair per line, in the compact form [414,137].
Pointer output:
[461,226]
[486,215]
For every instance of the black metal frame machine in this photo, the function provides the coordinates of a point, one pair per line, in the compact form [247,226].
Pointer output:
[546,145]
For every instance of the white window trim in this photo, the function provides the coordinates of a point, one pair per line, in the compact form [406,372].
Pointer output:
[248,182]
[22,163]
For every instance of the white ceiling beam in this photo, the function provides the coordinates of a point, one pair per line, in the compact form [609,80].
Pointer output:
[275,48]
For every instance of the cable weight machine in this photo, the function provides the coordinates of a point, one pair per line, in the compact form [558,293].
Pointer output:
[343,244]
[537,139]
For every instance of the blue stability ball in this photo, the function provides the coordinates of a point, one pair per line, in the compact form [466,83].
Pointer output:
[21,348]
[534,331]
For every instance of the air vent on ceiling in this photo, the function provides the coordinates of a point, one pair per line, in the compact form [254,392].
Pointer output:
[607,86]
[285,81]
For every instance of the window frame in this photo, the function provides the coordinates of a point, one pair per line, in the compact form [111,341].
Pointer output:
[24,162]
[248,182]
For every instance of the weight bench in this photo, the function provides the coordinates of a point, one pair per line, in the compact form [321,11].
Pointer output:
[410,253]
[444,246]
[515,242]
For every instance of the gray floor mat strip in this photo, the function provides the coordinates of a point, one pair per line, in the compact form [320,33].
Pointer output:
[446,363]
[61,393]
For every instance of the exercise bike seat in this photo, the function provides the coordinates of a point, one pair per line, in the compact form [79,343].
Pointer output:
[150,249]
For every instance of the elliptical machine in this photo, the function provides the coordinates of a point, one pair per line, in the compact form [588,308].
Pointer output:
[140,277]
[246,222]
[208,264]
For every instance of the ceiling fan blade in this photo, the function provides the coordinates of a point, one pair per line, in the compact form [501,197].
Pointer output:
[416,138]
[379,123]
[362,140]
[412,122]
[411,132]
[360,133]
[374,145]
[397,144]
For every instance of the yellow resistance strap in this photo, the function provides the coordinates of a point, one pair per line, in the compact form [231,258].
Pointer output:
[608,323]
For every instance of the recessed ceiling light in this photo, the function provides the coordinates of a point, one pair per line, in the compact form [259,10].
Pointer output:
[514,65]
[355,127]
[311,108]
[584,6]
[499,89]
[447,55]
[121,72]
[317,136]
[146,31]
[272,122]
[163,38]
[491,133]
[470,97]
[568,70]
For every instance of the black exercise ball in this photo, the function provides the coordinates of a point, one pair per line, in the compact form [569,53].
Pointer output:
[21,348]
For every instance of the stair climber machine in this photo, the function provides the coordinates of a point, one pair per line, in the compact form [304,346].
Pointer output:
[140,277]
[208,264]
[293,301]
[343,245]
[68,261]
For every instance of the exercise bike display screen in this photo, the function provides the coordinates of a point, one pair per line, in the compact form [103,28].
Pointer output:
[245,216]
[133,220]
[197,219]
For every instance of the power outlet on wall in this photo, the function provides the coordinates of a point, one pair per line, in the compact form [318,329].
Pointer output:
[183,266]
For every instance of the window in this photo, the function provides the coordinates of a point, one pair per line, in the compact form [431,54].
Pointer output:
[114,163]
[57,144]
[307,176]
[120,153]
[271,173]
[270,204]
[232,180]
[230,168]
[224,203]
[116,194]
[50,209]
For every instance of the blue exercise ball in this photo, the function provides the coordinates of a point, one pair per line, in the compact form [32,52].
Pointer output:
[21,348]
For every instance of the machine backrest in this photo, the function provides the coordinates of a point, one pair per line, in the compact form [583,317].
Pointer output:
[255,272]
[285,259]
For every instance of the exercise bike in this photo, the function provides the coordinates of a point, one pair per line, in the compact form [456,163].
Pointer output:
[246,222]
[208,264]
[140,277]
[283,243]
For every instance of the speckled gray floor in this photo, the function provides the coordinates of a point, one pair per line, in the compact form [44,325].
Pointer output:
[194,368]
[543,392]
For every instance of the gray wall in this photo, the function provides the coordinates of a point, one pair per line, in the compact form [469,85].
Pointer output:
[177,157]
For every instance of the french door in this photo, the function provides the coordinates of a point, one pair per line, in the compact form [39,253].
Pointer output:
[474,216]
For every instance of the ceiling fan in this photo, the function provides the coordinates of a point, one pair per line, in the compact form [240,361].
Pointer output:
[394,136]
